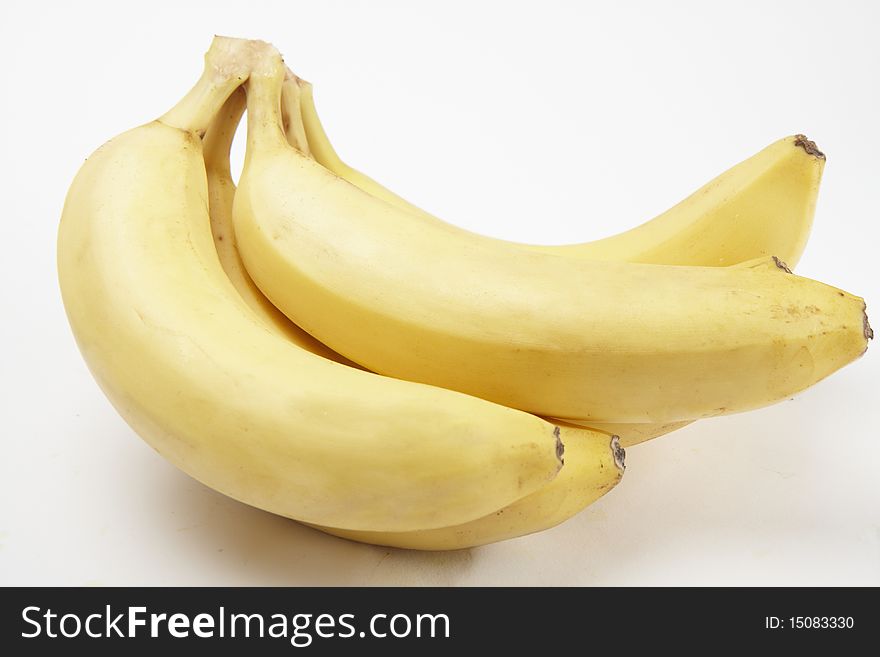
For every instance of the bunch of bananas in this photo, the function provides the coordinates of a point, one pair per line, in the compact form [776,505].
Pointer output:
[313,345]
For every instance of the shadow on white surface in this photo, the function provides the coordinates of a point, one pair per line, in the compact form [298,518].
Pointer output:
[242,545]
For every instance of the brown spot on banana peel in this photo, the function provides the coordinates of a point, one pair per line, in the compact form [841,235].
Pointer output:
[560,446]
[809,146]
[619,453]
[781,264]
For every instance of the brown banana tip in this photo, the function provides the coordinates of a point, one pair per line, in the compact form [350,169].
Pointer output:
[809,146]
[560,446]
[781,264]
[619,453]
[869,332]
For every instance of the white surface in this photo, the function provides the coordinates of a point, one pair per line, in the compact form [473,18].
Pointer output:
[543,122]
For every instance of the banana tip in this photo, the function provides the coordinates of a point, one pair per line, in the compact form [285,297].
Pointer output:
[560,446]
[781,264]
[809,146]
[869,332]
[619,453]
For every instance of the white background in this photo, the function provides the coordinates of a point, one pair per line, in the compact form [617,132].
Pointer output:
[545,122]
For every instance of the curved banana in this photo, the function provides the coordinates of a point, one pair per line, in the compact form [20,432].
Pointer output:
[590,471]
[194,370]
[560,337]
[765,204]
[761,207]
[591,468]
[221,190]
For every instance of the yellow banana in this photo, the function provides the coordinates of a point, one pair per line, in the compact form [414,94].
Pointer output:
[221,190]
[561,337]
[590,471]
[761,207]
[200,376]
[591,467]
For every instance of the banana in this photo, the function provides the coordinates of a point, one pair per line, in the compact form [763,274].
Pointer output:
[590,471]
[591,468]
[292,111]
[761,207]
[559,337]
[196,372]
[221,190]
